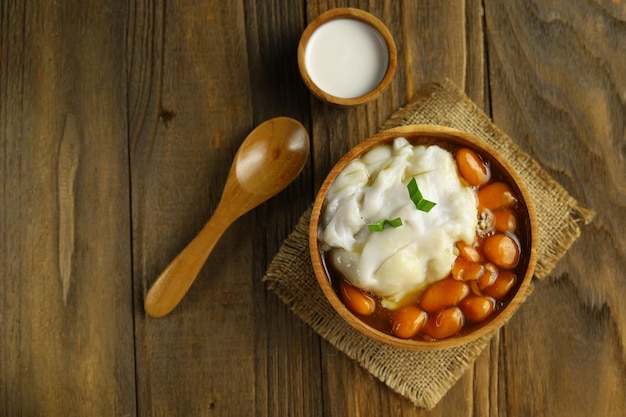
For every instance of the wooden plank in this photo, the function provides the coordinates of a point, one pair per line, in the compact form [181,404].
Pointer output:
[558,83]
[67,334]
[191,109]
[288,375]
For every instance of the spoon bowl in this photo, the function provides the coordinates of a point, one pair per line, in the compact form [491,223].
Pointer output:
[268,160]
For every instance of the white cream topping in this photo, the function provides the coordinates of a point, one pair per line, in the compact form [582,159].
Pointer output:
[397,263]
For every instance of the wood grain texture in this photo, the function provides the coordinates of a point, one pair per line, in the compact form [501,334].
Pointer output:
[118,124]
[66,341]
[284,346]
[558,83]
[195,112]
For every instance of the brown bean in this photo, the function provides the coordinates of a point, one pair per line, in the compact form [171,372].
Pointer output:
[496,195]
[357,301]
[464,270]
[474,288]
[503,250]
[489,276]
[502,285]
[444,293]
[471,166]
[477,308]
[408,321]
[445,323]
[490,273]
[469,252]
[505,220]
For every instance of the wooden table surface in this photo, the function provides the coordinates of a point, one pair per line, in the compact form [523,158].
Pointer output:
[118,124]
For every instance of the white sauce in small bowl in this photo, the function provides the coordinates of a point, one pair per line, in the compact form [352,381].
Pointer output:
[346,58]
[397,263]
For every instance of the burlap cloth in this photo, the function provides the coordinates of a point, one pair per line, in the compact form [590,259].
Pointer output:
[425,377]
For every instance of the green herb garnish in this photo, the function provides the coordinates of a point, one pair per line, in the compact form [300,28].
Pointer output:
[378,227]
[416,197]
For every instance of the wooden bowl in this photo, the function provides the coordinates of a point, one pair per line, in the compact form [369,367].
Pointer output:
[451,138]
[347,14]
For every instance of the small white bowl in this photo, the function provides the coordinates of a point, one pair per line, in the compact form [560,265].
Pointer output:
[347,57]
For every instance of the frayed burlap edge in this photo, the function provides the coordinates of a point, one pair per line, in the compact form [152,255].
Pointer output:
[425,377]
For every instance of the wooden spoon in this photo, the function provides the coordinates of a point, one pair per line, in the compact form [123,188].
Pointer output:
[270,158]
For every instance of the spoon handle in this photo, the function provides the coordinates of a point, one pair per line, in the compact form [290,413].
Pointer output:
[174,282]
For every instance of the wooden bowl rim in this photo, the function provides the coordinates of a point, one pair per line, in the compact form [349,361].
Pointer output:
[412,132]
[351,13]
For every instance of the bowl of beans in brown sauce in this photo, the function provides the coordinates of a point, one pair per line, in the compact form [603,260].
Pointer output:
[423,237]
